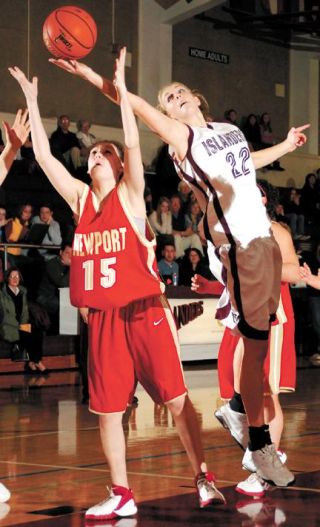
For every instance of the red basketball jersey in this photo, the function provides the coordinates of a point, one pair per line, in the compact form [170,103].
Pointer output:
[112,264]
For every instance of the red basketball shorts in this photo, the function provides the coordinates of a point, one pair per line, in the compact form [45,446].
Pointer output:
[138,342]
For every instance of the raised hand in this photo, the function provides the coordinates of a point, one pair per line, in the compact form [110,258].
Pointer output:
[73,66]
[18,133]
[119,73]
[296,138]
[30,89]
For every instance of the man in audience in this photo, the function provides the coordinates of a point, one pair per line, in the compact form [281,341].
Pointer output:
[65,145]
[53,236]
[56,275]
[168,267]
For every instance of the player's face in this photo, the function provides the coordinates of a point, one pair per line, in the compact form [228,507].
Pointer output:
[177,101]
[105,155]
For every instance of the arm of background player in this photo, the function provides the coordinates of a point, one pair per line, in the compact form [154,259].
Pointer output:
[15,138]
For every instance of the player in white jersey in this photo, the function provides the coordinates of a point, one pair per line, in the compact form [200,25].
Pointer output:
[214,159]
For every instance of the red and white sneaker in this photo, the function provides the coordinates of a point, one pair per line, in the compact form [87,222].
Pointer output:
[252,486]
[119,503]
[207,491]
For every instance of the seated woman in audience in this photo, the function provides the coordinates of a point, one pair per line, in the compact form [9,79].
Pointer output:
[15,324]
[3,222]
[193,216]
[16,230]
[161,218]
[267,138]
[251,130]
[310,199]
[193,263]
[293,213]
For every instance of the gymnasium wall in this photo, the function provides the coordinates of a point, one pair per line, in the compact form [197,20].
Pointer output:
[59,92]
[247,83]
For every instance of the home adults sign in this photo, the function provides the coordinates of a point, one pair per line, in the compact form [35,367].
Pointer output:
[208,54]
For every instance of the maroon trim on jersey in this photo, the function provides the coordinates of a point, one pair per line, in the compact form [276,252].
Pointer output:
[215,201]
[223,312]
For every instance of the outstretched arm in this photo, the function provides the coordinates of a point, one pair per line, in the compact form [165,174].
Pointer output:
[70,188]
[294,139]
[15,138]
[133,168]
[169,130]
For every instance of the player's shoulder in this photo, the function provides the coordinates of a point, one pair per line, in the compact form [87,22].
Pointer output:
[281,231]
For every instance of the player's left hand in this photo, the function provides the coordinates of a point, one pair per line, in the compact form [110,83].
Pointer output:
[119,73]
[296,137]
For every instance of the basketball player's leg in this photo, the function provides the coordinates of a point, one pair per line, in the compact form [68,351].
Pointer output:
[188,428]
[251,380]
[114,447]
[159,370]
[274,417]
[111,386]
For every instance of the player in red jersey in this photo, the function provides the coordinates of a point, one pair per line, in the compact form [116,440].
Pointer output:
[132,336]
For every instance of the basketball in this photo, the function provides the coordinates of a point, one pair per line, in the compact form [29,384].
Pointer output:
[69,32]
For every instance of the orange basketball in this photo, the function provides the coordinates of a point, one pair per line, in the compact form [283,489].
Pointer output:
[69,32]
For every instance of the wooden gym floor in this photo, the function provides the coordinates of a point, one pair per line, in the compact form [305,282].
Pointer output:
[51,459]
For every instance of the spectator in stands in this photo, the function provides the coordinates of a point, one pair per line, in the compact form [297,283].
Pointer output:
[161,218]
[193,263]
[3,222]
[65,145]
[184,237]
[231,117]
[168,267]
[16,230]
[251,130]
[293,213]
[193,216]
[56,275]
[53,236]
[309,200]
[184,192]
[15,326]
[27,154]
[86,139]
[267,139]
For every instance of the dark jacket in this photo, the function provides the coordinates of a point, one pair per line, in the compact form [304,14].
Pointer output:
[9,326]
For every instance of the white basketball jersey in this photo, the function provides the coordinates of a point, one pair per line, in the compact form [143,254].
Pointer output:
[219,168]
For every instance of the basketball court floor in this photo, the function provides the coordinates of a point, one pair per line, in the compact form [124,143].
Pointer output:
[51,459]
